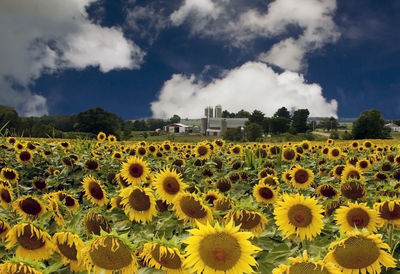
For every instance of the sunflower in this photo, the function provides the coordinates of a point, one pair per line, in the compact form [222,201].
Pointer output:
[4,228]
[121,180]
[18,146]
[360,252]
[18,266]
[65,145]
[219,143]
[94,191]
[92,165]
[380,176]
[210,196]
[335,153]
[24,156]
[223,203]
[202,150]
[304,265]
[135,170]
[351,172]
[236,150]
[109,254]
[39,184]
[101,136]
[70,202]
[189,207]
[168,184]
[33,243]
[327,191]
[301,177]
[363,164]
[289,154]
[138,203]
[94,223]
[270,180]
[353,189]
[112,139]
[249,220]
[358,216]
[286,177]
[223,185]
[389,212]
[29,207]
[299,215]
[265,194]
[161,256]
[11,140]
[68,245]
[219,249]
[6,196]
[9,175]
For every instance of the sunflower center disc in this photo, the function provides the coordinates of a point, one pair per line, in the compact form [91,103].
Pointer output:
[136,170]
[358,217]
[9,175]
[167,259]
[192,208]
[363,164]
[171,185]
[91,164]
[353,174]
[93,223]
[306,267]
[139,201]
[28,240]
[5,196]
[356,253]
[109,256]
[220,251]
[30,206]
[202,150]
[68,251]
[301,176]
[335,152]
[40,184]
[248,220]
[352,190]
[25,156]
[236,150]
[328,191]
[300,215]
[69,201]
[95,190]
[388,214]
[289,154]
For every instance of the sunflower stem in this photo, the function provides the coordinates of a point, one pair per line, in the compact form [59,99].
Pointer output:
[304,245]
[390,235]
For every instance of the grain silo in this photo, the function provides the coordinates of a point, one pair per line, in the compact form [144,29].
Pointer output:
[218,111]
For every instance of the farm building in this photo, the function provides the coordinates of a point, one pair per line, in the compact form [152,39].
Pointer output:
[218,126]
[393,127]
[178,128]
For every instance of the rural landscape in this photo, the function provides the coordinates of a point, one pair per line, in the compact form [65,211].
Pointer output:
[199,137]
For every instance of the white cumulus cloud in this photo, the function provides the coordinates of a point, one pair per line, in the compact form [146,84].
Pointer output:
[234,21]
[41,36]
[253,85]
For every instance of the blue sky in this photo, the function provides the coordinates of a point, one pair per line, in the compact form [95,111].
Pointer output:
[163,57]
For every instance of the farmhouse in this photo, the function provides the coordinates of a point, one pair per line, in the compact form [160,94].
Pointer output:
[178,128]
[216,125]
[393,127]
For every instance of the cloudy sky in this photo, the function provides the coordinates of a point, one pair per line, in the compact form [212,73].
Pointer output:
[156,58]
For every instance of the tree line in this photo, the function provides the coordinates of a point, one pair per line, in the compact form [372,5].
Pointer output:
[85,124]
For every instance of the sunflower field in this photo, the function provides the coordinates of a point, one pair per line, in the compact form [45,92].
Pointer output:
[103,206]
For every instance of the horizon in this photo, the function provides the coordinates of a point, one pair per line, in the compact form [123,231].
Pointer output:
[141,59]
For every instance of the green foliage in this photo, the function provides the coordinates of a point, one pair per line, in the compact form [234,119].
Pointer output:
[279,125]
[334,135]
[97,119]
[299,119]
[254,132]
[175,119]
[233,135]
[328,124]
[257,117]
[282,113]
[242,114]
[370,125]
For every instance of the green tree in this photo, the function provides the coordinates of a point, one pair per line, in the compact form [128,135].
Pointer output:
[97,119]
[175,119]
[279,125]
[233,134]
[299,120]
[9,116]
[370,125]
[257,117]
[329,124]
[139,125]
[242,114]
[253,131]
[153,124]
[283,113]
